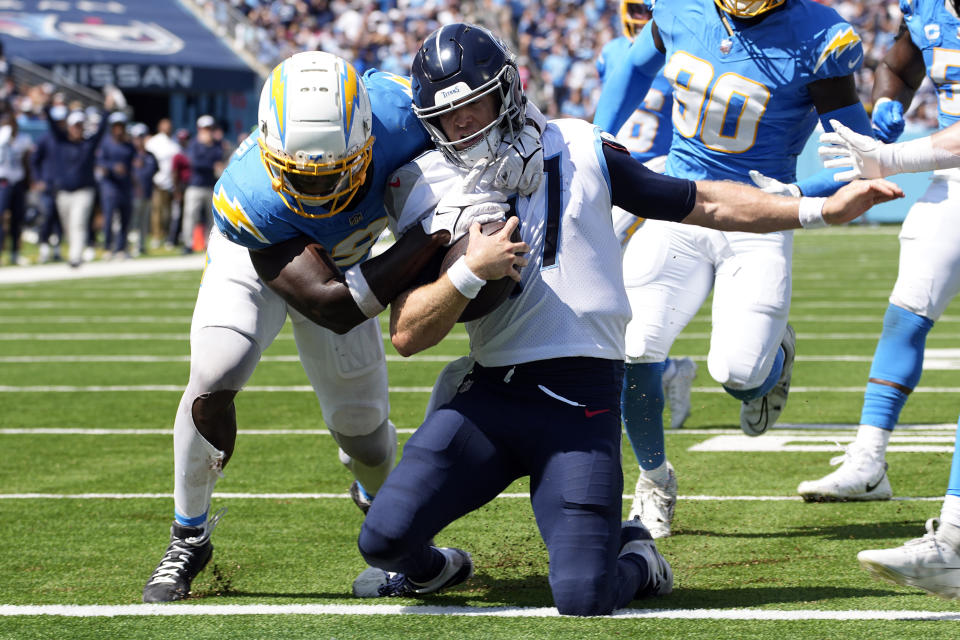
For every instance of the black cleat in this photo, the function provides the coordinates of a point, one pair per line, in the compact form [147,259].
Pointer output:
[189,552]
[360,497]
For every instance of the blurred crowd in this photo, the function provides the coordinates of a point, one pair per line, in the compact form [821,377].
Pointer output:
[108,187]
[89,183]
[557,41]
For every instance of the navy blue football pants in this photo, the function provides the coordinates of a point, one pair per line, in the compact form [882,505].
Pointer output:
[495,431]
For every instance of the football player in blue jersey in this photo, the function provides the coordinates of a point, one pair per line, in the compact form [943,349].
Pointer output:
[929,278]
[543,399]
[297,211]
[929,274]
[646,134]
[750,79]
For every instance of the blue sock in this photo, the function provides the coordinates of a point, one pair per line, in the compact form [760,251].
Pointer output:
[898,358]
[746,395]
[189,522]
[953,486]
[641,405]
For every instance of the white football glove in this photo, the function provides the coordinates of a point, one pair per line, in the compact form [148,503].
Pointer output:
[865,157]
[460,208]
[520,167]
[774,186]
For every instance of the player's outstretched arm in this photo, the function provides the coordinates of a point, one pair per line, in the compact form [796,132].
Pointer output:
[423,316]
[864,157]
[731,206]
[303,273]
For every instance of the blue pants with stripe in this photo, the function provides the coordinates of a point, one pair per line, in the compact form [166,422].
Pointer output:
[556,421]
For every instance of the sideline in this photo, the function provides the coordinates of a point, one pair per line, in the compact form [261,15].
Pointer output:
[101,269]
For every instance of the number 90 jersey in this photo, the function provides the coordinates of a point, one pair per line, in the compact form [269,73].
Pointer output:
[741,101]
[936,32]
[250,213]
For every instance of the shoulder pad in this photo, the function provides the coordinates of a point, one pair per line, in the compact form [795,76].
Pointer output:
[840,52]
[609,141]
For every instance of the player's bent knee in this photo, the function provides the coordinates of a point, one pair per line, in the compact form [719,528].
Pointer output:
[582,598]
[379,550]
[356,420]
[371,449]
[215,418]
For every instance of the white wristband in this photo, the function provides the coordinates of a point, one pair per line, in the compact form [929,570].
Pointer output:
[362,295]
[466,281]
[811,213]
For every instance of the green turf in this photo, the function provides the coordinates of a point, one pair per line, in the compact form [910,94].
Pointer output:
[773,555]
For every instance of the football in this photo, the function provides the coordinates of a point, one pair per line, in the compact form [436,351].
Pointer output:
[492,294]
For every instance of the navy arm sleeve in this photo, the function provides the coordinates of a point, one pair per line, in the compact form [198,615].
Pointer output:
[643,192]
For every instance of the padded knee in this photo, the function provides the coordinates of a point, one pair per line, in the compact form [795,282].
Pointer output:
[371,457]
[215,416]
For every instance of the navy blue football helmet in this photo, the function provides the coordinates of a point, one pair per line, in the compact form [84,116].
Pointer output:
[456,65]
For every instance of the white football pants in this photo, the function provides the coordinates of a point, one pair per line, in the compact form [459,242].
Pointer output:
[235,319]
[669,270]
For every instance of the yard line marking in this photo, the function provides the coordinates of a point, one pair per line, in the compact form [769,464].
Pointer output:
[346,496]
[100,611]
[146,337]
[307,388]
[60,431]
[794,431]
[95,358]
[175,387]
[776,443]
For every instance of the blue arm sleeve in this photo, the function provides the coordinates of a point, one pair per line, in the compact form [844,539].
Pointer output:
[628,82]
[853,116]
[643,192]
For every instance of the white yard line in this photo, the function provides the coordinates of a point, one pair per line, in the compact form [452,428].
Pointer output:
[346,496]
[307,388]
[110,611]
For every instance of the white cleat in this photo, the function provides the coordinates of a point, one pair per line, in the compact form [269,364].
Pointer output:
[676,390]
[653,504]
[758,415]
[861,477]
[927,563]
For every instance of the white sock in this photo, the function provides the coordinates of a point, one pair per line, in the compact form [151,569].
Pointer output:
[660,475]
[950,511]
[873,440]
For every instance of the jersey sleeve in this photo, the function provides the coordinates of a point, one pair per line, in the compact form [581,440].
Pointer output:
[410,197]
[837,52]
[234,215]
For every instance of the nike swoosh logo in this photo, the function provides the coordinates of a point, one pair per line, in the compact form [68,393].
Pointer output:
[852,64]
[590,414]
[871,487]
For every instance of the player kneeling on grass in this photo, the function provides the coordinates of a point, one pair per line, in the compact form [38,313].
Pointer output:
[543,399]
[298,209]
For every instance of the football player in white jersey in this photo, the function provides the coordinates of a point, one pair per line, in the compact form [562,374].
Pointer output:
[929,272]
[298,209]
[543,399]
[932,562]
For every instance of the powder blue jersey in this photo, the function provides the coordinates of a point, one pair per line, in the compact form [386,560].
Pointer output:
[647,133]
[741,102]
[936,32]
[250,213]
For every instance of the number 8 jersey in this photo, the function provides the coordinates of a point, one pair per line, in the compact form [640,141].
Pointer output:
[741,101]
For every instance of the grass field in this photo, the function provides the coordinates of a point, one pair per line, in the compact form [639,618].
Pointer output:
[91,373]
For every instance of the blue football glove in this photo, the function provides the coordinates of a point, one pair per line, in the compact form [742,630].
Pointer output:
[887,120]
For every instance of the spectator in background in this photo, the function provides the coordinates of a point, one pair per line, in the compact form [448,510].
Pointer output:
[43,168]
[76,186]
[163,148]
[144,167]
[15,150]
[181,176]
[206,163]
[114,166]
